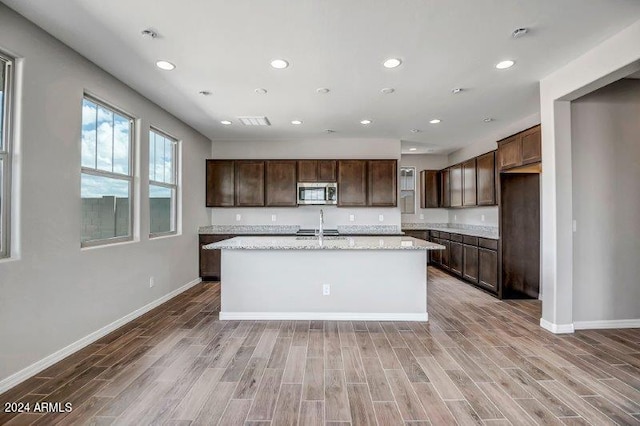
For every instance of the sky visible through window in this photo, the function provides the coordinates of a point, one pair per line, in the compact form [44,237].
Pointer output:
[161,153]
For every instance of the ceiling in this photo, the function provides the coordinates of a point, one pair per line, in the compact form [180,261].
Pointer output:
[225,47]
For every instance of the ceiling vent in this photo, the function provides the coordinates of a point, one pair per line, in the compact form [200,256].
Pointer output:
[254,121]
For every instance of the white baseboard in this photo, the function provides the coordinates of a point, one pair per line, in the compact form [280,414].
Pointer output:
[556,328]
[49,360]
[591,325]
[326,316]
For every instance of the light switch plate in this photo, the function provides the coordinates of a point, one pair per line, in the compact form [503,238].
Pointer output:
[482,218]
[238,217]
[381,217]
[352,218]
[273,218]
[421,215]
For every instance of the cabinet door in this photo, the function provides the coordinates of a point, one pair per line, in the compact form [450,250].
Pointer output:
[429,189]
[488,269]
[446,254]
[469,195]
[352,183]
[383,183]
[281,183]
[470,264]
[210,259]
[531,146]
[510,152]
[456,185]
[486,169]
[327,171]
[220,183]
[445,188]
[455,258]
[249,183]
[308,170]
[421,235]
[436,255]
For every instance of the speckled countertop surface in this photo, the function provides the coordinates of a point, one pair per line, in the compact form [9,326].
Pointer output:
[292,229]
[328,243]
[471,230]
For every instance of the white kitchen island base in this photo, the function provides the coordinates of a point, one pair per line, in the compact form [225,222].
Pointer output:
[372,280]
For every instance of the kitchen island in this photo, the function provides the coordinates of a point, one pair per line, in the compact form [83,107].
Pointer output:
[287,278]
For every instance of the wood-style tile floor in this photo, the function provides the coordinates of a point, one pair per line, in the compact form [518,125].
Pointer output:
[477,361]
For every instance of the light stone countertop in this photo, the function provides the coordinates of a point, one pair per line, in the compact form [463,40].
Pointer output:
[292,229]
[328,243]
[470,230]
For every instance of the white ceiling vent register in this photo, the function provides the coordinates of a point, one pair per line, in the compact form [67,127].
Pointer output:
[254,121]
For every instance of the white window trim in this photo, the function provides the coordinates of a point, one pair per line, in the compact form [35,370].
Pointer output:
[130,178]
[175,186]
[5,154]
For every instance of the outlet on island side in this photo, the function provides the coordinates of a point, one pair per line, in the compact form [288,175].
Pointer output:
[152,282]
[326,289]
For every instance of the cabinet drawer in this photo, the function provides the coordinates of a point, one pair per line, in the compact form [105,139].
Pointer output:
[435,234]
[456,237]
[488,243]
[445,235]
[472,241]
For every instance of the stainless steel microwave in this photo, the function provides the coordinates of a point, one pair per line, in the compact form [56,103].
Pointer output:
[318,193]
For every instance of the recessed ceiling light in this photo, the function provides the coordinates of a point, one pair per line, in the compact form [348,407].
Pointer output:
[279,64]
[296,122]
[519,32]
[392,63]
[149,33]
[365,122]
[261,91]
[165,65]
[456,90]
[225,122]
[504,64]
[388,90]
[415,130]
[204,92]
[322,90]
[435,121]
[413,149]
[488,120]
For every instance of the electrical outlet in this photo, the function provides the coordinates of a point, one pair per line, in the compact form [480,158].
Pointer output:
[326,289]
[273,218]
[152,282]
[575,225]
[352,217]
[238,217]
[381,217]
[482,218]
[421,215]
[455,217]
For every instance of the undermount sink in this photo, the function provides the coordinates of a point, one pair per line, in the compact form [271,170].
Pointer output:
[326,237]
[312,232]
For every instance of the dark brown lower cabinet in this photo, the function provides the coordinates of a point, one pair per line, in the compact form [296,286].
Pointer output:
[470,264]
[488,269]
[436,255]
[445,258]
[210,259]
[455,258]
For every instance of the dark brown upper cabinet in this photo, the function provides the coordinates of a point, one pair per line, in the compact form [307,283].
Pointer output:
[456,185]
[317,170]
[445,188]
[249,176]
[486,170]
[281,180]
[382,183]
[520,149]
[469,194]
[220,183]
[429,189]
[352,183]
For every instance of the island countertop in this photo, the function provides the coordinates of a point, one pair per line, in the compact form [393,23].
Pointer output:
[328,243]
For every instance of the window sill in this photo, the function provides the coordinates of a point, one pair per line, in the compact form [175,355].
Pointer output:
[106,244]
[164,235]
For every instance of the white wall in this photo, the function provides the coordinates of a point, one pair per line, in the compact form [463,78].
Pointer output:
[52,292]
[609,61]
[425,162]
[605,153]
[306,216]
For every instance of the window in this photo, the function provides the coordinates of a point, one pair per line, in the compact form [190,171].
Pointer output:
[407,190]
[5,158]
[163,184]
[107,174]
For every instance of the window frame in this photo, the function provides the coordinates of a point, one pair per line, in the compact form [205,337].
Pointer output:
[174,186]
[415,184]
[8,63]
[130,178]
